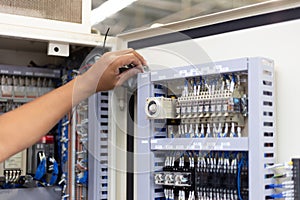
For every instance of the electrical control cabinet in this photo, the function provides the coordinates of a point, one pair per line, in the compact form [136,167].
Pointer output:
[20,85]
[219,138]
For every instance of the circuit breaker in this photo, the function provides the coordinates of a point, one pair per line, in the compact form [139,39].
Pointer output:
[206,131]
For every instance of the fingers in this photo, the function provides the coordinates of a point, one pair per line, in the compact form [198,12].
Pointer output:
[127,59]
[131,51]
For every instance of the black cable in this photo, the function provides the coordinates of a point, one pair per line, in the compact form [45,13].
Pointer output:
[105,37]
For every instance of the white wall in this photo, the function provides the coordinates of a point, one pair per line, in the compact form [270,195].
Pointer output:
[280,42]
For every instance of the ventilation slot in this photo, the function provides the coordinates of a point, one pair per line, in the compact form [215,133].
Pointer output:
[268,134]
[104,154]
[269,114]
[104,131]
[270,144]
[268,103]
[103,162]
[104,101]
[104,108]
[269,155]
[267,83]
[270,124]
[267,93]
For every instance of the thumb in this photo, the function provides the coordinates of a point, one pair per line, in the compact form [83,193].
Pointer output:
[128,74]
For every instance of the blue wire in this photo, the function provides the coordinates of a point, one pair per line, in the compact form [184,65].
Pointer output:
[277,196]
[200,82]
[238,178]
[186,82]
[233,78]
[226,154]
[41,170]
[54,173]
[273,186]
[226,77]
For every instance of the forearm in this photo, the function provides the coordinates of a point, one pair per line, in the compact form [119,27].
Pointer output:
[24,126]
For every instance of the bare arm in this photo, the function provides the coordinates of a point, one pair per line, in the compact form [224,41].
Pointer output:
[24,126]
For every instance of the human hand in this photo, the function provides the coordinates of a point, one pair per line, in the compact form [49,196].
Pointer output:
[104,74]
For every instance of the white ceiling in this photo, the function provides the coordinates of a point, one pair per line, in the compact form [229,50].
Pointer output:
[144,13]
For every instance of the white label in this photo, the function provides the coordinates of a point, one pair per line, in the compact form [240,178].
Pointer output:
[189,109]
[183,110]
[16,72]
[219,108]
[4,71]
[212,108]
[14,162]
[29,73]
[195,109]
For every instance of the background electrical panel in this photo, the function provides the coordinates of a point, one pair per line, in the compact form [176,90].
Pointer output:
[20,85]
[206,131]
